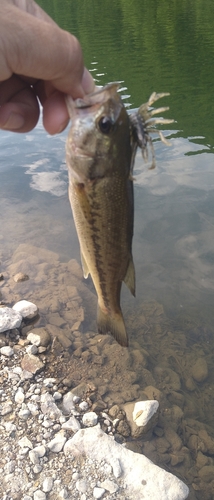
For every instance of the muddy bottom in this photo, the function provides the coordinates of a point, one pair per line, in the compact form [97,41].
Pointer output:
[170,361]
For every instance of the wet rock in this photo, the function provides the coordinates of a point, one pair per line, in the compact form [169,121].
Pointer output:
[141,475]
[19,277]
[141,413]
[169,377]
[173,438]
[39,337]
[27,309]
[32,364]
[200,370]
[206,473]
[61,334]
[123,428]
[190,384]
[9,319]
[153,393]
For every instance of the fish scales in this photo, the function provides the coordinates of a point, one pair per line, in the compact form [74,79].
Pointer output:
[100,152]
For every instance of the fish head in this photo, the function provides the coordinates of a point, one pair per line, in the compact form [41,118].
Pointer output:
[99,135]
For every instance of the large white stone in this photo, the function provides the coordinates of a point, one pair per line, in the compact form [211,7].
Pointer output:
[142,479]
[144,411]
[9,319]
[26,309]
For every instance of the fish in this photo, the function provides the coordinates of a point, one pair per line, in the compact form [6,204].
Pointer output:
[100,152]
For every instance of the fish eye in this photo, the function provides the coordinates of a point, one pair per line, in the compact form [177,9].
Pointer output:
[105,124]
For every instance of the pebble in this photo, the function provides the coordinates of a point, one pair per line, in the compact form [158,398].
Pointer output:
[19,396]
[25,442]
[71,424]
[89,419]
[109,486]
[144,411]
[39,495]
[57,443]
[83,406]
[47,484]
[81,485]
[32,349]
[7,351]
[31,364]
[98,492]
[20,277]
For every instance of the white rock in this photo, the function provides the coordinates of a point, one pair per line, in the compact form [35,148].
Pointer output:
[109,486]
[48,406]
[116,466]
[83,406]
[9,319]
[39,495]
[71,424]
[49,382]
[141,478]
[89,419]
[98,492]
[32,349]
[10,428]
[34,339]
[57,443]
[25,442]
[26,309]
[144,411]
[40,450]
[68,403]
[6,350]
[47,484]
[19,396]
[81,485]
[34,457]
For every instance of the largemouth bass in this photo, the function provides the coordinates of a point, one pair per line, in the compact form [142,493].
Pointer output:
[100,153]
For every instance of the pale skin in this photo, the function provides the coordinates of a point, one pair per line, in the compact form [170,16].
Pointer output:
[39,62]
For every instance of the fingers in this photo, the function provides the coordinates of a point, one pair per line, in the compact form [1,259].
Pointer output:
[19,109]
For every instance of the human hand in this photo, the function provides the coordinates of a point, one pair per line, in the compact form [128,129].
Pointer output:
[38,60]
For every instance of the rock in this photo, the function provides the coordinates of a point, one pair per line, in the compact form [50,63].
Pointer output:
[19,277]
[109,486]
[81,485]
[98,492]
[39,495]
[200,370]
[67,403]
[207,473]
[57,443]
[39,337]
[144,412]
[9,319]
[47,484]
[25,442]
[83,406]
[27,309]
[19,396]
[123,428]
[49,407]
[142,479]
[89,419]
[31,364]
[31,349]
[71,425]
[7,351]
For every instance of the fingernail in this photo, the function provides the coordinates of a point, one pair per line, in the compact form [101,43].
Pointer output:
[14,122]
[88,84]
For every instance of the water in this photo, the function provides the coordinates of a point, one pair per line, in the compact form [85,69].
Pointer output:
[147,45]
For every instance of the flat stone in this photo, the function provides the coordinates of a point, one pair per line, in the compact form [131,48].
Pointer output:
[9,319]
[142,479]
[26,309]
[31,364]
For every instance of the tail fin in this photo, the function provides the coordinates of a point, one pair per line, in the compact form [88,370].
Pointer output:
[114,325]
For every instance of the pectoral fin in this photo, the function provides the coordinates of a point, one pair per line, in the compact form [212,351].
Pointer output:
[84,266]
[129,279]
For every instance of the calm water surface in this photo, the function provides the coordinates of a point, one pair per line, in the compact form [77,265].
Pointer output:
[147,45]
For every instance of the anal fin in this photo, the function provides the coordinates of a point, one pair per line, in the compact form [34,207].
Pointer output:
[129,279]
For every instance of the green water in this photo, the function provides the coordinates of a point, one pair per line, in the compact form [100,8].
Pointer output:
[148,45]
